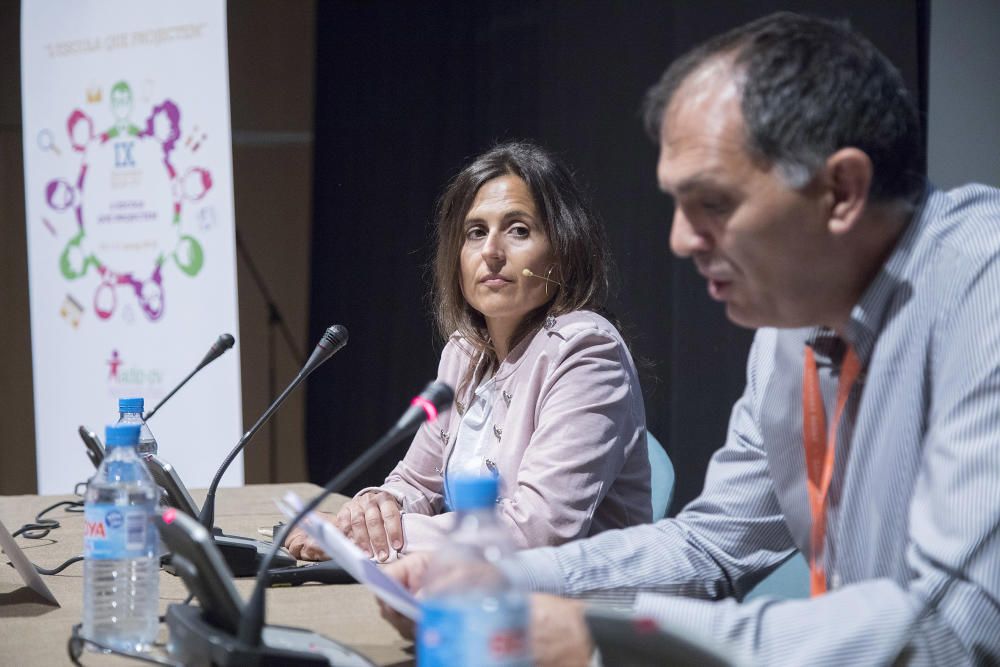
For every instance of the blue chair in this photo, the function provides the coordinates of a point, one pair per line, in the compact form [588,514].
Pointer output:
[789,581]
[661,478]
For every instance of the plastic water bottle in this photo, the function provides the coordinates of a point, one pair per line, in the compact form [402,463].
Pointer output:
[121,570]
[471,614]
[130,412]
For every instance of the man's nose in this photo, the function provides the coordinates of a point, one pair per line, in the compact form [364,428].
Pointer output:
[685,238]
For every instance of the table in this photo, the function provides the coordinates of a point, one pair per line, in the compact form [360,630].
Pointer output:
[34,633]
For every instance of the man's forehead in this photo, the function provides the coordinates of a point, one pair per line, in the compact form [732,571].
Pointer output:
[702,130]
[706,103]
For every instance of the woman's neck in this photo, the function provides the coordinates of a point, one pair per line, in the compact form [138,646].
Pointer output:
[500,333]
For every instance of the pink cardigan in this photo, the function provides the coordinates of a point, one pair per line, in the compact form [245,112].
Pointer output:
[570,431]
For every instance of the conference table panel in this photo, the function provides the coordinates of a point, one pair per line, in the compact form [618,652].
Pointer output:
[35,633]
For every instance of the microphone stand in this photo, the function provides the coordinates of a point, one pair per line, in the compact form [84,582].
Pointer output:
[243,554]
[274,320]
[424,407]
[203,638]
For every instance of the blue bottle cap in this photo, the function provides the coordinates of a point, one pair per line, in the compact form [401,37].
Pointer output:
[130,405]
[470,493]
[118,435]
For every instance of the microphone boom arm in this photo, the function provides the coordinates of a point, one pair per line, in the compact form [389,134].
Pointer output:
[218,348]
[207,516]
[334,338]
[436,397]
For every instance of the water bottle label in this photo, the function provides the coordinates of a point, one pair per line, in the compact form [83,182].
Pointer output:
[453,633]
[117,532]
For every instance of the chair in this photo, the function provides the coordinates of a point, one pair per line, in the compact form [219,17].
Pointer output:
[789,581]
[661,477]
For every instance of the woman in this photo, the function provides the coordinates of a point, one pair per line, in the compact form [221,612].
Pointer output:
[547,396]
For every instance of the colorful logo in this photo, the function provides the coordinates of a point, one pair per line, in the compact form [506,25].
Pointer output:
[126,379]
[129,202]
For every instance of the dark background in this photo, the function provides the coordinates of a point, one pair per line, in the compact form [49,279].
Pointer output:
[406,93]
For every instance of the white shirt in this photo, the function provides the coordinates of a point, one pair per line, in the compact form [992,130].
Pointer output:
[475,437]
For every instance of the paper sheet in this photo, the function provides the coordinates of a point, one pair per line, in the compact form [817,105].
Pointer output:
[24,567]
[351,558]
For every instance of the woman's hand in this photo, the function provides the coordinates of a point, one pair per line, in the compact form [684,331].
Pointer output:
[373,522]
[303,547]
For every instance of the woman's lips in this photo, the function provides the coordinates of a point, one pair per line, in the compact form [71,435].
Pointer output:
[495,281]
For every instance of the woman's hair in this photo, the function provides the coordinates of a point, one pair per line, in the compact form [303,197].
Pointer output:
[579,246]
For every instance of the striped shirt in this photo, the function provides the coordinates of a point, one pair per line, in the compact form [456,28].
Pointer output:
[912,551]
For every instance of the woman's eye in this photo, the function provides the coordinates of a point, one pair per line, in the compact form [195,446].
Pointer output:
[475,233]
[519,231]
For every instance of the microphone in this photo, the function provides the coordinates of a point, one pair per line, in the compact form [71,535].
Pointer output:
[334,338]
[243,554]
[528,273]
[223,343]
[435,397]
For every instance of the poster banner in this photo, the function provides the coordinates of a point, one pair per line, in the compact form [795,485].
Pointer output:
[131,244]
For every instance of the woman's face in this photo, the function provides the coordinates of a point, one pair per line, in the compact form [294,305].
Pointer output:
[503,236]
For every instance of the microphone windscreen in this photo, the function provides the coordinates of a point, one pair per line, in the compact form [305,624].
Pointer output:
[439,395]
[336,336]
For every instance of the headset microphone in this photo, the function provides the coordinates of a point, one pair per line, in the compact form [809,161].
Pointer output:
[528,273]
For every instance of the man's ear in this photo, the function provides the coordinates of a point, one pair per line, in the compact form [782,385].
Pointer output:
[849,174]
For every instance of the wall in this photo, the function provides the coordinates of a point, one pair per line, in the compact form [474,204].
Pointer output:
[964,107]
[271,54]
[407,92]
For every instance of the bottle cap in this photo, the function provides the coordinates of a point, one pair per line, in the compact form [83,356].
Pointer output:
[118,435]
[470,493]
[130,404]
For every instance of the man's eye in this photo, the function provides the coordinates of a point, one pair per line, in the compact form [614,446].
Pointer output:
[715,207]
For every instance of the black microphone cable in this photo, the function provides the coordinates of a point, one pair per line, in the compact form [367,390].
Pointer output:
[40,528]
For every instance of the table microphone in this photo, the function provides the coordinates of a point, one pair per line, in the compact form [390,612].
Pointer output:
[219,347]
[242,554]
[435,397]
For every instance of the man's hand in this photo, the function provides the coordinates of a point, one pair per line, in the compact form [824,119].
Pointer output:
[409,571]
[559,635]
[373,522]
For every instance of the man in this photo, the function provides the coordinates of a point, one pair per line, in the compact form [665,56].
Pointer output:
[792,152]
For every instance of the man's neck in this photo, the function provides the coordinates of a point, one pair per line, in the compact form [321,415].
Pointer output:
[871,247]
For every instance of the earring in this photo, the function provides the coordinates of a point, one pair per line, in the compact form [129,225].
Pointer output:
[548,278]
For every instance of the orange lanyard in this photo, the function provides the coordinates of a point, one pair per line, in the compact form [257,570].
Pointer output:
[820,450]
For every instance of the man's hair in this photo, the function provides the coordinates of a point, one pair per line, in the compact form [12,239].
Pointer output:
[579,245]
[809,88]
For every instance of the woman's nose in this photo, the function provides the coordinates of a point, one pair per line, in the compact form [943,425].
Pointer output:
[493,247]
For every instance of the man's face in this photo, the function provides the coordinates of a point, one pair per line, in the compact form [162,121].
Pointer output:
[762,246]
